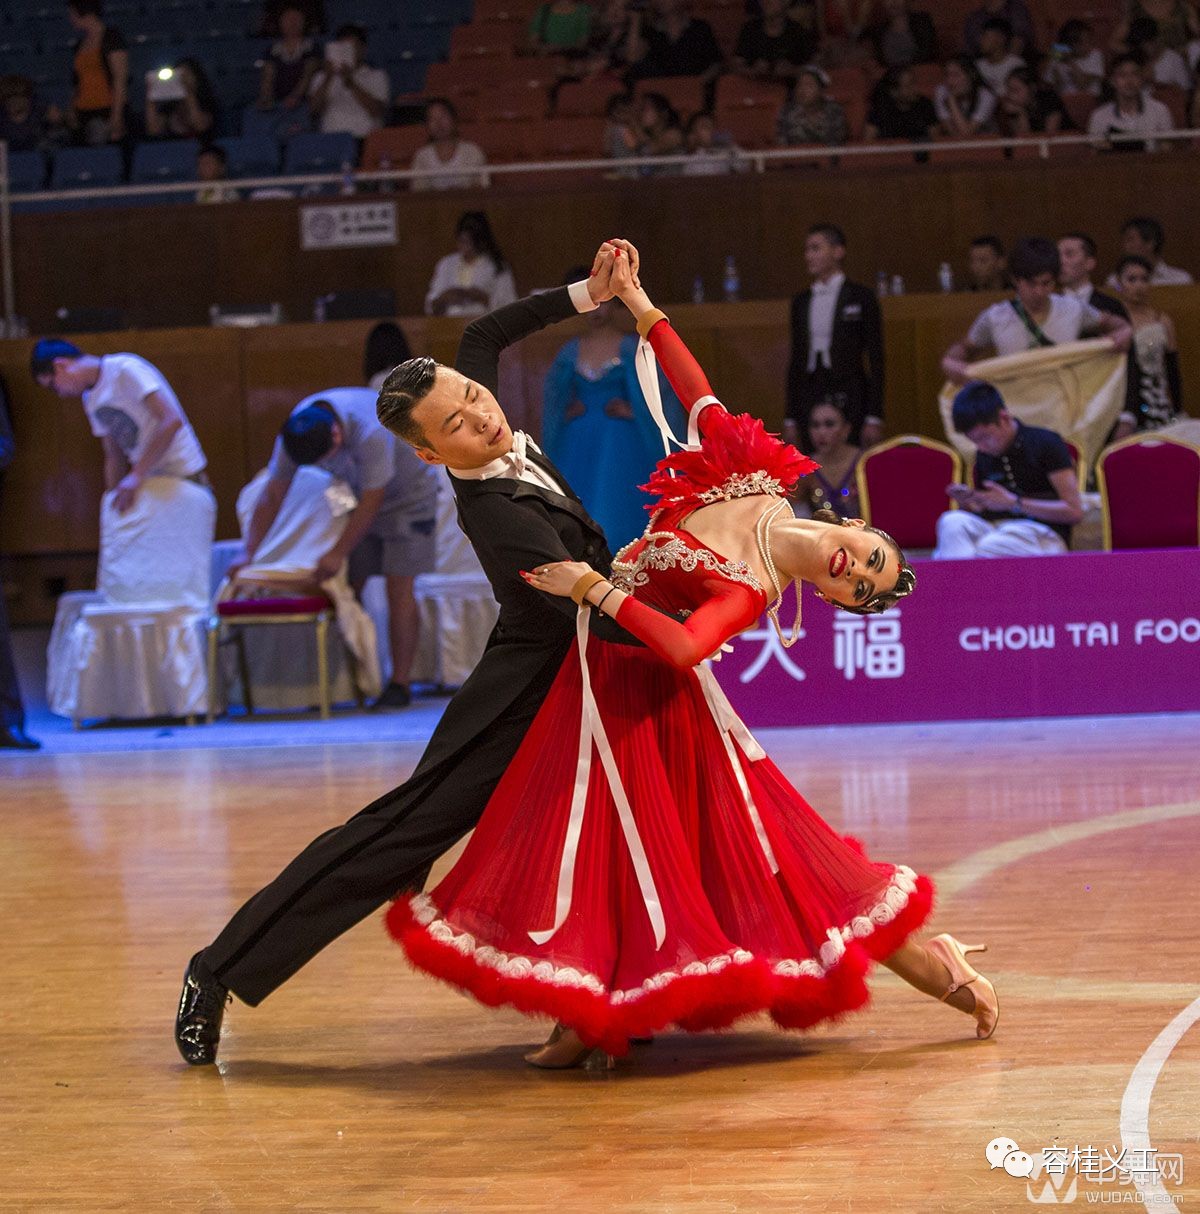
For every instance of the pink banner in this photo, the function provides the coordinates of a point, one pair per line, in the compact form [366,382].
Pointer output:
[1073,635]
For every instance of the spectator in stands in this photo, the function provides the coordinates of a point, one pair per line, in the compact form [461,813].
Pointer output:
[449,159]
[1131,111]
[1076,62]
[290,64]
[964,105]
[1161,63]
[475,278]
[25,124]
[561,26]
[99,103]
[1028,499]
[1143,236]
[833,484]
[212,168]
[708,154]
[1177,21]
[837,343]
[996,62]
[812,116]
[1015,12]
[843,26]
[1077,264]
[898,110]
[132,410]
[1029,108]
[347,93]
[986,265]
[666,40]
[902,37]
[1154,396]
[192,116]
[385,349]
[773,46]
[1037,316]
[620,127]
[314,16]
[391,530]
[658,131]
[608,46]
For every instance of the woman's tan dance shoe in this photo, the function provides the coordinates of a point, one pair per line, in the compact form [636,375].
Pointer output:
[953,956]
[564,1050]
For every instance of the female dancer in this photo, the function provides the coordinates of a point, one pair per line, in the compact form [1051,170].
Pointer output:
[680,879]
[1155,389]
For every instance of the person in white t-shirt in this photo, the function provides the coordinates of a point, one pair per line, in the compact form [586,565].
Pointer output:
[1131,112]
[996,62]
[1143,236]
[1077,63]
[132,410]
[964,105]
[475,278]
[447,159]
[1035,317]
[1162,64]
[347,94]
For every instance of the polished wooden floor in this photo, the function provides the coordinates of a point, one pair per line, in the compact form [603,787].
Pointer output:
[1071,847]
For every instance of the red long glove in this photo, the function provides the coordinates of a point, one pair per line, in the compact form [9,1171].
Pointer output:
[682,370]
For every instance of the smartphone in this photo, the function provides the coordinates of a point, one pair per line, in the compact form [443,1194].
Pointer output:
[960,493]
[163,84]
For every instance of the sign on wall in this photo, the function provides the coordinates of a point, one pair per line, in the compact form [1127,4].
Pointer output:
[348,225]
[1073,635]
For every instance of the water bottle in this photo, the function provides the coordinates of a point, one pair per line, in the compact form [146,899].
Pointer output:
[732,284]
[881,284]
[698,290]
[945,278]
[897,285]
[385,166]
[347,178]
[319,309]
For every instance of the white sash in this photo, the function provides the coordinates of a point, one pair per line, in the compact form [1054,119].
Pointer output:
[647,373]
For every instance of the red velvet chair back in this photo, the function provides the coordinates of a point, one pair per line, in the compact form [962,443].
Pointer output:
[1150,493]
[902,487]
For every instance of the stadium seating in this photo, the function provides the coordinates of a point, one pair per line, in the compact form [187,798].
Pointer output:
[165,160]
[319,152]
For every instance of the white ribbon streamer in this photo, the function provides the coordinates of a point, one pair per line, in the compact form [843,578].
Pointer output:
[647,373]
[592,729]
[732,726]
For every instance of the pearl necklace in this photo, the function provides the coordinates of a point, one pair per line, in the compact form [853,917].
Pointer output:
[761,532]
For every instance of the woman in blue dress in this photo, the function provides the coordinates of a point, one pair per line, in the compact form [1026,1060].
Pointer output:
[597,429]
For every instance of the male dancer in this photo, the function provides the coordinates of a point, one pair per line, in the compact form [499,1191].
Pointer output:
[519,513]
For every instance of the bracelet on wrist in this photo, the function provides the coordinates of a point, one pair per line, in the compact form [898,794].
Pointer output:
[600,604]
[584,584]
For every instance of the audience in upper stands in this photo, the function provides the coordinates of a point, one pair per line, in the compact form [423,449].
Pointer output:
[898,110]
[1076,62]
[656,129]
[27,125]
[709,154]
[1177,19]
[666,40]
[607,48]
[347,93]
[996,62]
[812,116]
[451,161]
[1027,495]
[1016,12]
[1029,108]
[100,99]
[964,105]
[1154,395]
[290,64]
[902,37]
[987,269]
[1131,111]
[473,279]
[190,116]
[844,26]
[560,26]
[772,46]
[212,168]
[1161,63]
[1143,236]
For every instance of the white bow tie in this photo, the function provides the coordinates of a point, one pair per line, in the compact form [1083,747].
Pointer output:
[516,455]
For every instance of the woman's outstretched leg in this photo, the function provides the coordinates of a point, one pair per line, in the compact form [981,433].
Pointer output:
[939,967]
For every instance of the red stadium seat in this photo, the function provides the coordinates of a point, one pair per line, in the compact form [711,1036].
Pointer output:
[1079,107]
[569,138]
[1150,493]
[503,142]
[1176,100]
[749,128]
[482,41]
[586,98]
[512,103]
[685,93]
[740,92]
[902,487]
[394,145]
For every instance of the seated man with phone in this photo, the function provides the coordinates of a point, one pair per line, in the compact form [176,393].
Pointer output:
[347,94]
[1027,499]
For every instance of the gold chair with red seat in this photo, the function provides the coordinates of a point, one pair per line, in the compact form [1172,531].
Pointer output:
[902,487]
[1150,493]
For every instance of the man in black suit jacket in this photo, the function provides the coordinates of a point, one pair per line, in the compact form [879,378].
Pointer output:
[1077,258]
[837,344]
[12,711]
[518,512]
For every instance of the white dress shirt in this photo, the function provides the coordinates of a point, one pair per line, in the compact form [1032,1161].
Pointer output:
[822,308]
[1083,292]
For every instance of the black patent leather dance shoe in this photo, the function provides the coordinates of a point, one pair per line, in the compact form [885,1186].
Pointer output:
[201,1010]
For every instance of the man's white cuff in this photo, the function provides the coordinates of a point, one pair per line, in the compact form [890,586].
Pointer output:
[580,298]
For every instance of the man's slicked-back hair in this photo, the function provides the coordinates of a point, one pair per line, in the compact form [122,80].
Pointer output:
[408,385]
[977,404]
[1089,245]
[41,361]
[831,232]
[307,436]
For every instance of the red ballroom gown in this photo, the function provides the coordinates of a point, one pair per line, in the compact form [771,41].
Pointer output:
[642,863]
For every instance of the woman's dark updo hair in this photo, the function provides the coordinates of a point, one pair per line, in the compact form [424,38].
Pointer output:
[906,583]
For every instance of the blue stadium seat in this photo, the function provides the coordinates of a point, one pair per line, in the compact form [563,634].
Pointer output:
[83,168]
[165,160]
[424,42]
[26,171]
[251,156]
[408,76]
[318,152]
